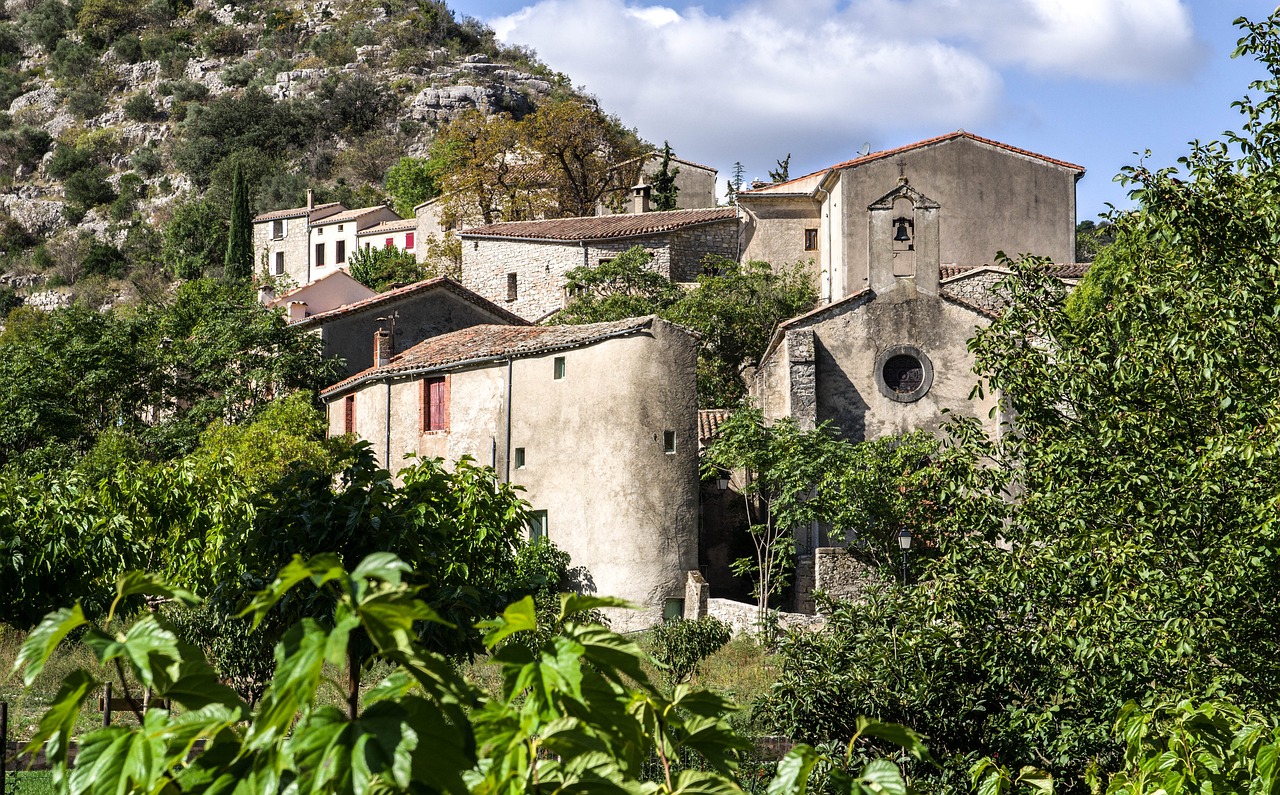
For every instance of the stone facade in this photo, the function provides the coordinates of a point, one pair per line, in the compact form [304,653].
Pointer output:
[612,474]
[527,276]
[988,197]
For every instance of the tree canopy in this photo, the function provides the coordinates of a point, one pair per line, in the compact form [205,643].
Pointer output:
[1121,542]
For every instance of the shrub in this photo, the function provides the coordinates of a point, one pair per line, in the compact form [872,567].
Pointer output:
[88,187]
[128,49]
[131,189]
[46,23]
[240,73]
[107,19]
[384,268]
[71,60]
[103,260]
[140,107]
[146,160]
[184,90]
[225,40]
[85,102]
[680,645]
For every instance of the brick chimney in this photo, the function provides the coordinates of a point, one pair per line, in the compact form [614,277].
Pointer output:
[382,348]
[640,198]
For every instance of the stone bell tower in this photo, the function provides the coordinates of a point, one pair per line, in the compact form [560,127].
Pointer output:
[902,241]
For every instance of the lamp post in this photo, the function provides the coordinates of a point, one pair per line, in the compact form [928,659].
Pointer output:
[904,543]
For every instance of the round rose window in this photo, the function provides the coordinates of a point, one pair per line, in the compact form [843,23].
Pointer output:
[904,373]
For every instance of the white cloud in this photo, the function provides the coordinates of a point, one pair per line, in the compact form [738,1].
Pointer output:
[819,77]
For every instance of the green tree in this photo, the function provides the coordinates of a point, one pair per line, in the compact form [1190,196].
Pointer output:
[779,470]
[576,714]
[783,172]
[1092,238]
[1120,544]
[412,181]
[622,287]
[238,263]
[195,239]
[664,182]
[735,309]
[383,268]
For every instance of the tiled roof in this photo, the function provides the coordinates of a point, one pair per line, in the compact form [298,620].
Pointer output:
[295,212]
[709,424]
[603,227]
[1066,270]
[426,285]
[351,215]
[390,226]
[285,297]
[488,342]
[874,156]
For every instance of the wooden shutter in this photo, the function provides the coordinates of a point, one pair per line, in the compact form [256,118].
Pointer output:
[349,414]
[435,404]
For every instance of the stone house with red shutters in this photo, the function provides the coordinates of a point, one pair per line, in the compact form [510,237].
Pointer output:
[596,423]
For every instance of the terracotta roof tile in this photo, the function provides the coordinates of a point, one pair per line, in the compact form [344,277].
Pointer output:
[709,424]
[387,227]
[951,271]
[874,156]
[426,285]
[486,342]
[317,212]
[603,227]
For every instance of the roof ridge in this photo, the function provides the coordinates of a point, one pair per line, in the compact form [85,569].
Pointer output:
[951,136]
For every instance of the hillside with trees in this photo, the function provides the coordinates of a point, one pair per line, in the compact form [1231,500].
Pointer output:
[126,124]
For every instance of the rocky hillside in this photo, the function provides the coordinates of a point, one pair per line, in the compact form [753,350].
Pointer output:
[126,118]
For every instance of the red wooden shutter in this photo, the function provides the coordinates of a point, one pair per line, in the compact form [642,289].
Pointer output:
[437,405]
[349,414]
[408,241]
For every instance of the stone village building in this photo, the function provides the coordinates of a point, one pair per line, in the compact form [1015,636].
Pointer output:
[901,243]
[409,314]
[522,264]
[304,244]
[597,423]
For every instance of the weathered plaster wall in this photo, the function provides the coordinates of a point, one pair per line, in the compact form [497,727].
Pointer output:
[623,508]
[992,200]
[293,245]
[773,232]
[846,349]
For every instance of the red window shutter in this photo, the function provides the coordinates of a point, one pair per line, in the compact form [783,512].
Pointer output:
[436,403]
[391,242]
[408,241]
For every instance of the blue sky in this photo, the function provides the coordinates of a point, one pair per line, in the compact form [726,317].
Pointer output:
[1087,81]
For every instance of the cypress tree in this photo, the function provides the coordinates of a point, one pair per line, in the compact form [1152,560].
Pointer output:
[238,264]
[664,182]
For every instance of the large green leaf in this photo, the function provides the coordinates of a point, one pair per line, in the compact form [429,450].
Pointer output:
[58,723]
[517,617]
[42,640]
[792,776]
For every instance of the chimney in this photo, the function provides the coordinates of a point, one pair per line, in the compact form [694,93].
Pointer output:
[297,311]
[382,349]
[266,294]
[640,198]
[311,199]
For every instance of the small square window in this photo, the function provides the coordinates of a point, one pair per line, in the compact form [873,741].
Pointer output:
[519,458]
[339,227]
[668,441]
[319,230]
[811,240]
[557,368]
[672,609]
[513,290]
[537,525]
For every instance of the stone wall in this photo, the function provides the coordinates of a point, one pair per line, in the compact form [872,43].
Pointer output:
[742,617]
[690,246]
[841,575]
[978,287]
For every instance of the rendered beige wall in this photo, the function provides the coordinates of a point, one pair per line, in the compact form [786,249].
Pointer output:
[293,245]
[847,347]
[625,510]
[991,200]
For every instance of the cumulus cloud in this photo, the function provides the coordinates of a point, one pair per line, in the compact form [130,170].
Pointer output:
[820,77]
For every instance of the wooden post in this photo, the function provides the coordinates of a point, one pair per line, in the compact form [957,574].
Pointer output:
[4,742]
[106,705]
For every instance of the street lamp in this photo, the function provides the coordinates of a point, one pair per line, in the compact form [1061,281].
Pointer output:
[904,543]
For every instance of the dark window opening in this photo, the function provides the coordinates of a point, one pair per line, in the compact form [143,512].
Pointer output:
[519,458]
[340,251]
[811,240]
[319,254]
[558,368]
[668,441]
[349,414]
[903,374]
[512,287]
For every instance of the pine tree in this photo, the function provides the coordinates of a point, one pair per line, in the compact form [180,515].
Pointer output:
[735,184]
[664,182]
[238,264]
[784,170]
